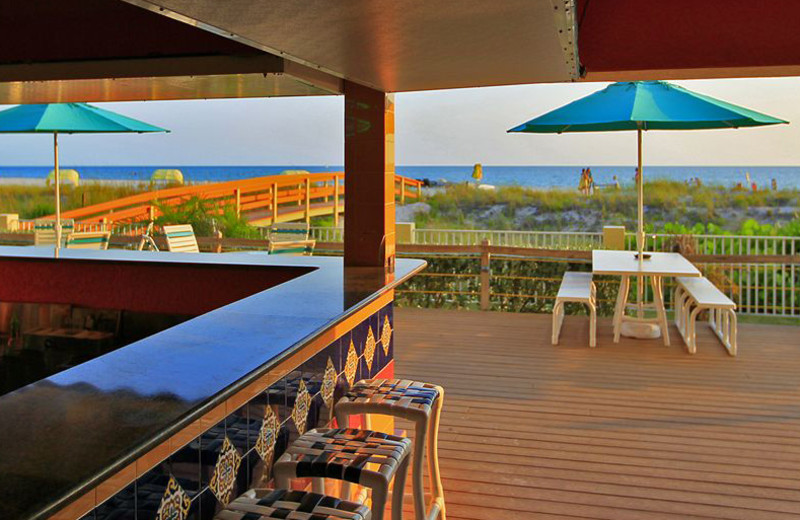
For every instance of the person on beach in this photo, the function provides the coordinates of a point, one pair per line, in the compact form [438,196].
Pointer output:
[582,182]
[616,182]
[589,181]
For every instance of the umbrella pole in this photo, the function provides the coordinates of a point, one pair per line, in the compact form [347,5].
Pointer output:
[640,228]
[57,179]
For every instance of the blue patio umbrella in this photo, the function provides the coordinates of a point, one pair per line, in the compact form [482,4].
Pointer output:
[644,105]
[67,118]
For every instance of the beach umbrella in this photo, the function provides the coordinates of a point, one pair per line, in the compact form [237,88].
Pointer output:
[67,118]
[639,106]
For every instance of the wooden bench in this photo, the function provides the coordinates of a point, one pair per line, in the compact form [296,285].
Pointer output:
[88,240]
[577,288]
[290,238]
[693,295]
[181,239]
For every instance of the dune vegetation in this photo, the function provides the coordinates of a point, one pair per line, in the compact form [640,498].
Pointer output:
[670,206]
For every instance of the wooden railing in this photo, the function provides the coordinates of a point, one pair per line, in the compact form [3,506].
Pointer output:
[260,200]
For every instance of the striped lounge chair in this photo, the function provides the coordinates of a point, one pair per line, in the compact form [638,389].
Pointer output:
[181,239]
[44,231]
[290,238]
[88,240]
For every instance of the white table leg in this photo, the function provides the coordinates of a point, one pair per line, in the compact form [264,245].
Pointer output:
[661,312]
[640,281]
[622,301]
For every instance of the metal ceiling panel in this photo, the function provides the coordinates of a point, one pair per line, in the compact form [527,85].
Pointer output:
[158,88]
[400,45]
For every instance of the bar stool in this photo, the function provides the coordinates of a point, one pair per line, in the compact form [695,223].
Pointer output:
[263,504]
[414,401]
[367,458]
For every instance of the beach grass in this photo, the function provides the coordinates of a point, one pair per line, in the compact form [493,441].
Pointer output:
[37,201]
[669,206]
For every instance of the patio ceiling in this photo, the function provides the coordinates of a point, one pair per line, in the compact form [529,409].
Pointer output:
[401,45]
[104,50]
[101,50]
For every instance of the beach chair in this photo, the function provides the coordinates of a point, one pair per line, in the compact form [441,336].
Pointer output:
[181,239]
[44,231]
[290,238]
[88,240]
[146,239]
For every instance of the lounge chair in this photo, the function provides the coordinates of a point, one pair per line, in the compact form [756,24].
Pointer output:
[290,238]
[44,231]
[181,239]
[88,240]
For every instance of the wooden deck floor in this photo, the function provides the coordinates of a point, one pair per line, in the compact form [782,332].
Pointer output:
[629,431]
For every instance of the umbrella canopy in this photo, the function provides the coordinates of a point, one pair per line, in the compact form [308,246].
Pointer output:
[67,118]
[644,105]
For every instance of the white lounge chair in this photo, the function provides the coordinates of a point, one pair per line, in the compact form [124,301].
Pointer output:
[88,240]
[181,239]
[44,231]
[290,238]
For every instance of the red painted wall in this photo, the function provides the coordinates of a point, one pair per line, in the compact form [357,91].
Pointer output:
[140,286]
[684,34]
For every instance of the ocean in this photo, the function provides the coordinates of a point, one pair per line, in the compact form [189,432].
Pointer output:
[534,176]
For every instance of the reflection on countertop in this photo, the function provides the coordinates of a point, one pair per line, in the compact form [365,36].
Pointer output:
[73,429]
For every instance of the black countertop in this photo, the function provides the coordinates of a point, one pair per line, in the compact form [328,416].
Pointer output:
[63,435]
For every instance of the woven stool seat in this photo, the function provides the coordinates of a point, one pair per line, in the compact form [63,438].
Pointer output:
[263,504]
[344,453]
[398,397]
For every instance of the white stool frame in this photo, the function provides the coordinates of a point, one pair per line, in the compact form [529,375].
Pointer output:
[426,431]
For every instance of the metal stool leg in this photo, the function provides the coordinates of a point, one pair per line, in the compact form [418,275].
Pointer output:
[420,438]
[437,507]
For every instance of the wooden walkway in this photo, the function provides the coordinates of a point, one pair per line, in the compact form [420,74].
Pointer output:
[629,431]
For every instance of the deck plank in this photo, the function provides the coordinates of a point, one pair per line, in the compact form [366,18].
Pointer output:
[626,431]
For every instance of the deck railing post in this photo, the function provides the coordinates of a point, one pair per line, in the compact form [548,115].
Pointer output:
[336,201]
[402,191]
[486,274]
[237,193]
[308,200]
[274,202]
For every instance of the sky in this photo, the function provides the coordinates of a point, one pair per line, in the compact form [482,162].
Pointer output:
[448,127]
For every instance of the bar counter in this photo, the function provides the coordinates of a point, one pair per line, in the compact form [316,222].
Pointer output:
[178,423]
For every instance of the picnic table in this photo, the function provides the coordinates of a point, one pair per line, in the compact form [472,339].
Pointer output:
[654,267]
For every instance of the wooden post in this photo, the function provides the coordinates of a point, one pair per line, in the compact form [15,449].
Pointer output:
[151,212]
[369,181]
[335,201]
[402,191]
[308,200]
[237,193]
[486,274]
[274,202]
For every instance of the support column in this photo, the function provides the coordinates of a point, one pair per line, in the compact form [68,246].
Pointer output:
[369,235]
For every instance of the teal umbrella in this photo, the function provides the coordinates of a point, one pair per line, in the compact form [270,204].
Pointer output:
[644,105]
[67,118]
